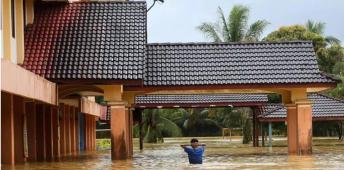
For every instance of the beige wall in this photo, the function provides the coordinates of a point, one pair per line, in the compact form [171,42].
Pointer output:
[19,32]
[91,107]
[17,80]
[13,48]
[6,23]
[1,40]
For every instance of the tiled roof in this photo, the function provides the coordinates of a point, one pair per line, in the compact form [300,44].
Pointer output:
[200,98]
[232,63]
[323,106]
[87,40]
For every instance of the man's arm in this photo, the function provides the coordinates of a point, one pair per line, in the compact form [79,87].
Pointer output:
[183,146]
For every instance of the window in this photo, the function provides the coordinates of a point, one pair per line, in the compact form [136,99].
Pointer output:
[13,19]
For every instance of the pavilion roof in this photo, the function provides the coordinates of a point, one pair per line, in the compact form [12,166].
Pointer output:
[200,100]
[232,63]
[323,108]
[106,43]
[87,40]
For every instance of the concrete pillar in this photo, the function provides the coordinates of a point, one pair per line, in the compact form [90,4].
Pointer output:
[77,130]
[93,133]
[131,132]
[86,132]
[7,129]
[270,134]
[263,134]
[49,133]
[81,132]
[254,123]
[299,122]
[30,111]
[56,135]
[119,132]
[92,121]
[40,132]
[19,110]
[67,129]
[62,122]
[72,129]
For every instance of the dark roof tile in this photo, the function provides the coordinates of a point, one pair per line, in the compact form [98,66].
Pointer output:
[232,63]
[323,106]
[78,40]
[200,98]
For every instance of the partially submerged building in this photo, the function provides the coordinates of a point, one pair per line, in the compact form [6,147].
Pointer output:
[59,55]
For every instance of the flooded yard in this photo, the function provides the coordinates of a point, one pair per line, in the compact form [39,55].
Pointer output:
[220,154]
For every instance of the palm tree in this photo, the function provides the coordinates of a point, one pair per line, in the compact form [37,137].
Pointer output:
[319,28]
[155,127]
[234,28]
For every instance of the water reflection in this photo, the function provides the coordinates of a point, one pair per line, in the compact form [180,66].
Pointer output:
[220,154]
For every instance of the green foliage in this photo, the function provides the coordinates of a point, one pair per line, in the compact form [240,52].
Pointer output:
[338,92]
[100,100]
[159,123]
[167,128]
[316,27]
[103,134]
[330,59]
[234,28]
[103,144]
[328,128]
[296,32]
[274,98]
[247,132]
[319,28]
[155,127]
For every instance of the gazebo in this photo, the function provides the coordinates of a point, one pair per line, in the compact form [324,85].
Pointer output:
[324,108]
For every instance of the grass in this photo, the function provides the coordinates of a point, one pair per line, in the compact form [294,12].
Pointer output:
[103,144]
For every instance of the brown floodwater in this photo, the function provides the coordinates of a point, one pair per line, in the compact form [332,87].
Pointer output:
[220,154]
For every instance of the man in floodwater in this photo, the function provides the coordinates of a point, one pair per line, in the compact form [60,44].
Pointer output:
[195,151]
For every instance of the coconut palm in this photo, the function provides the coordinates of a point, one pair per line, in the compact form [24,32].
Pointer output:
[235,27]
[155,127]
[319,28]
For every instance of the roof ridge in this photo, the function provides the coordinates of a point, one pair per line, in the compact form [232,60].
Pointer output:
[92,2]
[227,43]
[210,94]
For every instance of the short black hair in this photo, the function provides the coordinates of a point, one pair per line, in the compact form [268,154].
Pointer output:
[194,140]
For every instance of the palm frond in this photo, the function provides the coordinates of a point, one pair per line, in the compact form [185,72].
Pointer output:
[224,28]
[238,22]
[332,40]
[170,128]
[315,27]
[209,31]
[255,31]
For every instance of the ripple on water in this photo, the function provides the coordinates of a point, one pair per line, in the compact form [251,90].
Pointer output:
[220,154]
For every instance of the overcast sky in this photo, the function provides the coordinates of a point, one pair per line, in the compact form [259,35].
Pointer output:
[176,20]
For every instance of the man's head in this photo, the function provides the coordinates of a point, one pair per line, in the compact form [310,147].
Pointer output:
[194,142]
